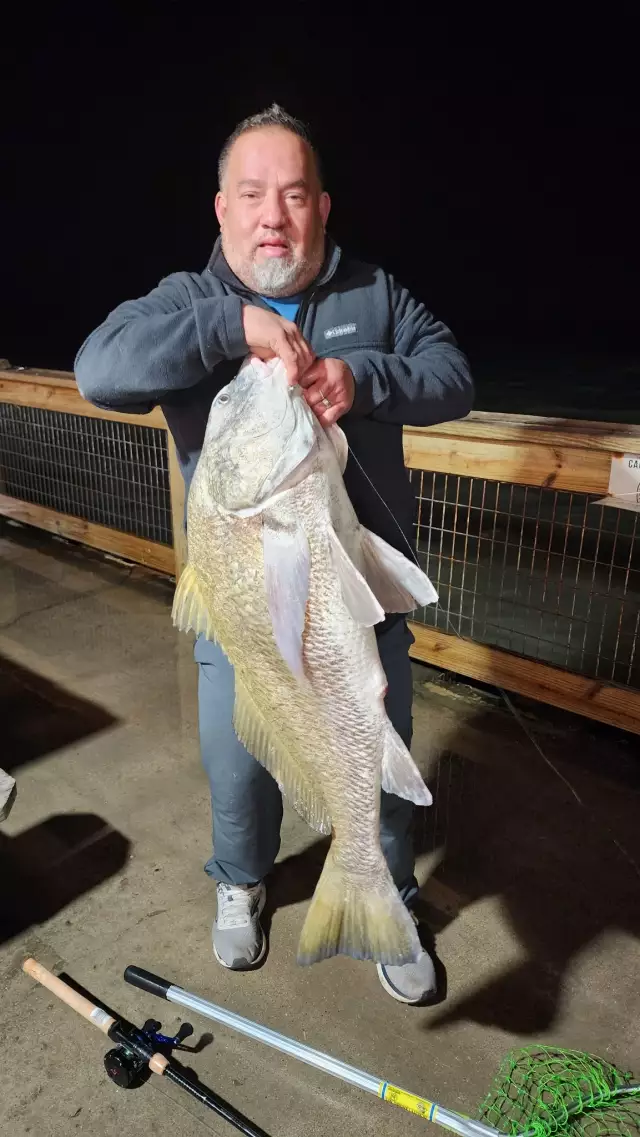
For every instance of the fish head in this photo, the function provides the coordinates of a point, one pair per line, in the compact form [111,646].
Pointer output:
[260,430]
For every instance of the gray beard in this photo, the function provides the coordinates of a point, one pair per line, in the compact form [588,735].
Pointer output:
[278,276]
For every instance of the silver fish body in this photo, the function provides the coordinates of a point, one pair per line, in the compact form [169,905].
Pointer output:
[282,575]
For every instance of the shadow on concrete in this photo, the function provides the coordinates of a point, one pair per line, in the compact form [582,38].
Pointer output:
[45,868]
[39,717]
[295,878]
[557,867]
[293,881]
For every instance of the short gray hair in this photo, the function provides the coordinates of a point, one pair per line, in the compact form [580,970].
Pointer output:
[272,116]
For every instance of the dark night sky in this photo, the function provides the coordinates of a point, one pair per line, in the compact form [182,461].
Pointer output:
[494,170]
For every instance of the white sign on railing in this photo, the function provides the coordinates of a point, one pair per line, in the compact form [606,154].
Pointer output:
[624,483]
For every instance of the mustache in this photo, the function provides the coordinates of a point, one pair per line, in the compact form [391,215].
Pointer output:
[273,237]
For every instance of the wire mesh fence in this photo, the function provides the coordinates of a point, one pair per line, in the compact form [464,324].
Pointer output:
[546,574]
[114,474]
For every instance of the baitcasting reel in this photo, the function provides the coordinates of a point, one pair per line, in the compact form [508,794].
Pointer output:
[127,1064]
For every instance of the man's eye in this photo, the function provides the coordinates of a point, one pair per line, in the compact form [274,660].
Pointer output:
[249,194]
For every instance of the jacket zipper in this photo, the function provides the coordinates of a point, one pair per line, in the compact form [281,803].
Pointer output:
[301,314]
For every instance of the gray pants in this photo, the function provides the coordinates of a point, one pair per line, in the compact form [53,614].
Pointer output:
[245,800]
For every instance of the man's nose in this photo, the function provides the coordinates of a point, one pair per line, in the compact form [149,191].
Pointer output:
[273,213]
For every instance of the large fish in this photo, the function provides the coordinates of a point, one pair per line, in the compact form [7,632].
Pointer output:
[282,575]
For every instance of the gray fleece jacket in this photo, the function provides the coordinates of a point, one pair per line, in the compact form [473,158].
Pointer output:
[176,348]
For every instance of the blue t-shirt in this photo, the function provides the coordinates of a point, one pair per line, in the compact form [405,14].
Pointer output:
[287,307]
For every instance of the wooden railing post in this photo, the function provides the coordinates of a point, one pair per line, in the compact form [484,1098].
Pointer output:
[176,488]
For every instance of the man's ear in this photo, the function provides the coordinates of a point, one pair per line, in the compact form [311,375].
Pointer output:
[325,206]
[221,207]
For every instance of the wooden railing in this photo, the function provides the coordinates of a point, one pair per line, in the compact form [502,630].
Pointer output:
[510,449]
[57,391]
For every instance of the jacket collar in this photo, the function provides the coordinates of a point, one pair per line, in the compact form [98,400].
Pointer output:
[219,267]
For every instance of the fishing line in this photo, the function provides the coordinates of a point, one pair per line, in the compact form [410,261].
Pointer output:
[508,702]
[534,742]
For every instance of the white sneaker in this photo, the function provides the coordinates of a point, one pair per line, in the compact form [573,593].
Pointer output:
[411,983]
[239,942]
[415,984]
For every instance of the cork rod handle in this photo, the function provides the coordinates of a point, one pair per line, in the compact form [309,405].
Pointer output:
[77,1002]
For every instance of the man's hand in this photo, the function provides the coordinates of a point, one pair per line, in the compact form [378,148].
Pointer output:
[268,335]
[329,388]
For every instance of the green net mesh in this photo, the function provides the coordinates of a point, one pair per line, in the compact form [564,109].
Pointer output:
[545,1091]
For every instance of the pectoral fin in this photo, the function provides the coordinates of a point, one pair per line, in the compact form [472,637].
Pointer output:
[356,593]
[286,575]
[399,584]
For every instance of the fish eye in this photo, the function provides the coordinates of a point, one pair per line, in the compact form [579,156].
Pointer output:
[222,399]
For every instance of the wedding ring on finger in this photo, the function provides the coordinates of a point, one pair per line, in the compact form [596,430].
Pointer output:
[325,401]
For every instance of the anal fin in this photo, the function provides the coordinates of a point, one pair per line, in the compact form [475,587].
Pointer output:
[399,773]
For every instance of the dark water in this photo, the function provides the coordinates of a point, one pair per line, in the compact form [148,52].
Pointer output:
[600,386]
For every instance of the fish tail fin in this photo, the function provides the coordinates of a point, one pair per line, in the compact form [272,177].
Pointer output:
[348,918]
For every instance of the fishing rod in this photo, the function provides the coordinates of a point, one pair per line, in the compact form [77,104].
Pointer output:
[140,1049]
[556,1111]
[596,1084]
[413,1103]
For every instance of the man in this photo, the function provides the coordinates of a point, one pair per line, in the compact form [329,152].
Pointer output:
[365,352]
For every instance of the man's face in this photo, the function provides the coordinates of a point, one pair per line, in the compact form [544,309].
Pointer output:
[272,213]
